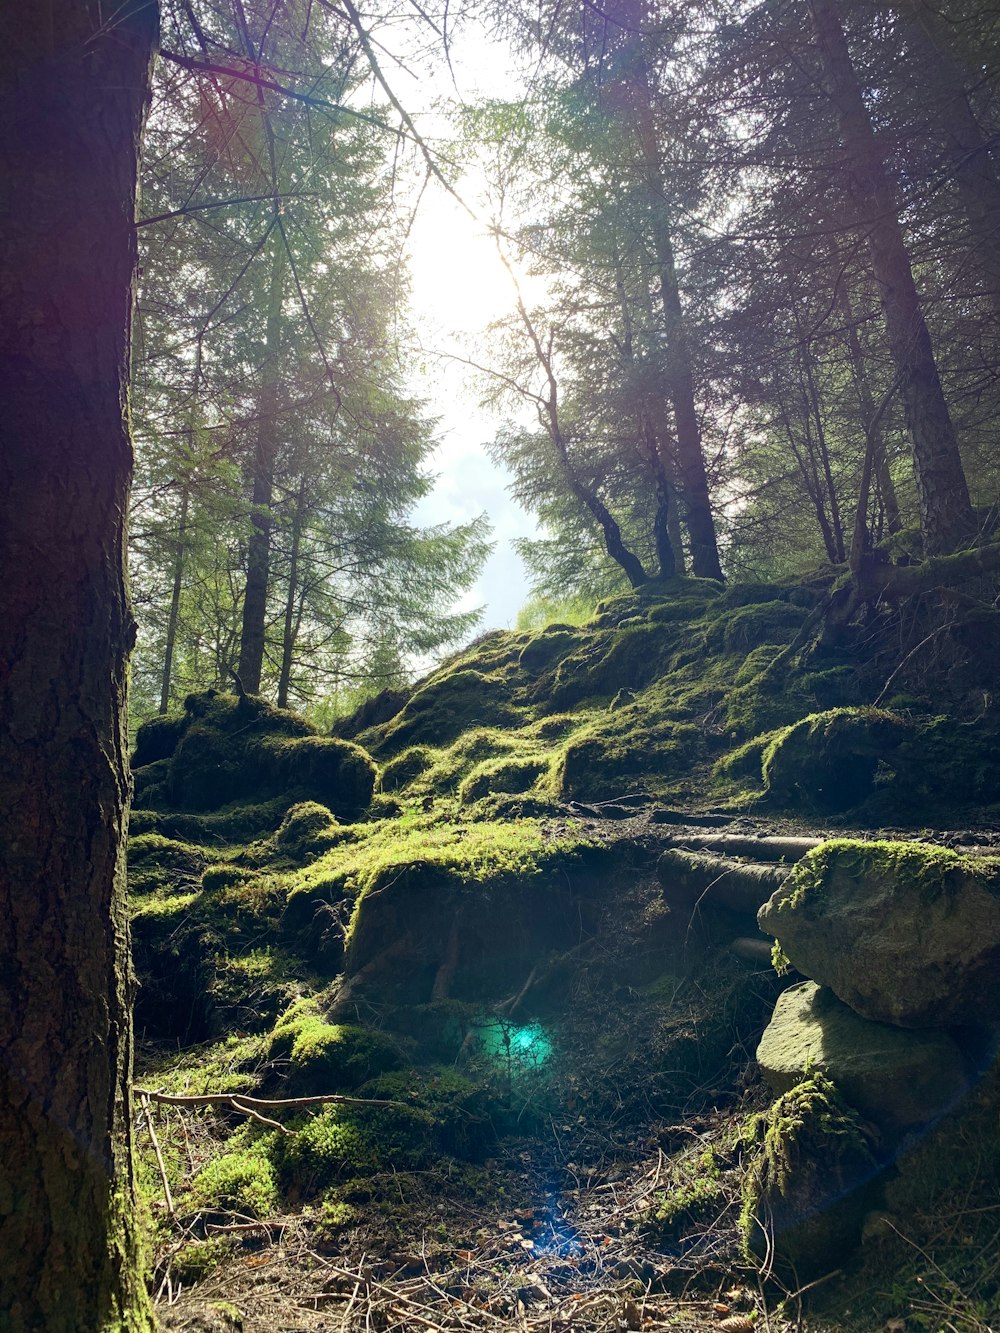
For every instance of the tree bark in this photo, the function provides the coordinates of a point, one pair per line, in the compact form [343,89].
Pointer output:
[177,581]
[291,599]
[254,628]
[945,508]
[73,93]
[680,377]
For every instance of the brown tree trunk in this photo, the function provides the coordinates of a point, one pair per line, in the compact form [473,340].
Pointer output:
[177,582]
[73,93]
[254,628]
[945,508]
[680,378]
[291,599]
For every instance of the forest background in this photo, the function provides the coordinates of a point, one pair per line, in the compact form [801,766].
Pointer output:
[753,261]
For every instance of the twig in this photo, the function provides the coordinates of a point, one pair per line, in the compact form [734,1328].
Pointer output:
[145,1099]
[252,1108]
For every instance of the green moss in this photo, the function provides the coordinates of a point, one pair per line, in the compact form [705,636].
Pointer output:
[693,1200]
[307,830]
[157,738]
[828,761]
[608,760]
[449,704]
[926,869]
[236,823]
[242,1180]
[807,1148]
[746,760]
[544,649]
[501,775]
[336,773]
[328,1057]
[196,1260]
[401,771]
[748,627]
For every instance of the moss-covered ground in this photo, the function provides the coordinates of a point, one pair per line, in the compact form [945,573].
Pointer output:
[447,918]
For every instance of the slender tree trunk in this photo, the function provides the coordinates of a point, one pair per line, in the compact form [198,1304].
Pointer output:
[73,93]
[173,615]
[265,455]
[871,416]
[288,636]
[946,511]
[680,377]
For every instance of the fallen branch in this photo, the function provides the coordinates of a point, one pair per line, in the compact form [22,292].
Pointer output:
[252,1107]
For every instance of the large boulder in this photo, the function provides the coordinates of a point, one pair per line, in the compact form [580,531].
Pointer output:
[896,1078]
[904,933]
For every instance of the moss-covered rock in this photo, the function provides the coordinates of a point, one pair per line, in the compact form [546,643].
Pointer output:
[336,773]
[157,738]
[750,626]
[828,761]
[401,771]
[897,1079]
[804,1192]
[904,933]
[450,703]
[512,775]
[307,829]
[613,758]
[235,749]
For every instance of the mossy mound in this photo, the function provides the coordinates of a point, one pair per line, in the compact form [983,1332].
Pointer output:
[515,774]
[749,626]
[828,761]
[307,830]
[450,703]
[315,1056]
[157,738]
[611,759]
[228,749]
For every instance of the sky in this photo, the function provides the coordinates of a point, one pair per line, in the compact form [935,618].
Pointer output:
[458,286]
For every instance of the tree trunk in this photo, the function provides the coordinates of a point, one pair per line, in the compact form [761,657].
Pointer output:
[173,615]
[680,378]
[265,454]
[73,93]
[945,508]
[288,637]
[871,414]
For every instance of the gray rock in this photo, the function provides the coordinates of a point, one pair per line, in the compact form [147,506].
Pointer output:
[904,933]
[897,1079]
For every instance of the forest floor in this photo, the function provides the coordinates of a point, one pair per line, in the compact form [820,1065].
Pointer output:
[617,1206]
